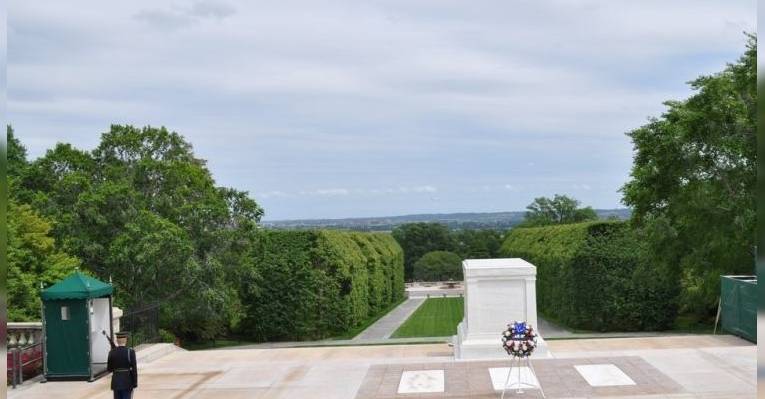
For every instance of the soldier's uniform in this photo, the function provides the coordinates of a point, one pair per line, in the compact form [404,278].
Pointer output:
[122,364]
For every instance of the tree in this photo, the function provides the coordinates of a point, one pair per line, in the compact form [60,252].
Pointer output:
[560,209]
[417,239]
[144,184]
[16,155]
[438,266]
[477,244]
[33,259]
[692,186]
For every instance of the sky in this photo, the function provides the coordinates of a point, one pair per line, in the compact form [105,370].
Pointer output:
[329,109]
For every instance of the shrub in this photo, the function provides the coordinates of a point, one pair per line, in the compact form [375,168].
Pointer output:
[166,336]
[316,284]
[596,276]
[438,266]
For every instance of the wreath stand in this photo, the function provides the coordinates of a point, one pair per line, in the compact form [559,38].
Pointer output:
[521,383]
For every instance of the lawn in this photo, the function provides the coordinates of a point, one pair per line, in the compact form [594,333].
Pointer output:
[437,317]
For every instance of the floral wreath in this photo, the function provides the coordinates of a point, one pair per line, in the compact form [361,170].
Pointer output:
[520,339]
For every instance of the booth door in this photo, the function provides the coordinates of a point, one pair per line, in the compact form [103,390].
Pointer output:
[66,338]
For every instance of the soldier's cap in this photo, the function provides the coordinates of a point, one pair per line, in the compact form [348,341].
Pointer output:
[122,334]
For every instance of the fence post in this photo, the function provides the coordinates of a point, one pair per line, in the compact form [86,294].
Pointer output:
[15,365]
[21,367]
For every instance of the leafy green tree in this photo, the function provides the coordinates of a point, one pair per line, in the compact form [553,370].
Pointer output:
[692,186]
[417,239]
[560,209]
[477,244]
[151,258]
[33,259]
[146,182]
[438,266]
[16,154]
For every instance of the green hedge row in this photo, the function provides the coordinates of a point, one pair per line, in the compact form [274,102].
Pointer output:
[316,284]
[595,276]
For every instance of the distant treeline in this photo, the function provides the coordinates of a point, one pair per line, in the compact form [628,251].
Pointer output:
[453,221]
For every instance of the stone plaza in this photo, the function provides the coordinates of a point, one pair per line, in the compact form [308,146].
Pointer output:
[695,366]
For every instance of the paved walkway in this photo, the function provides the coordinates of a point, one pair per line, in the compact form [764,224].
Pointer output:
[388,324]
[551,330]
[699,366]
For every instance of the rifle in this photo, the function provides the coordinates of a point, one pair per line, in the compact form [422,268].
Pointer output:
[111,341]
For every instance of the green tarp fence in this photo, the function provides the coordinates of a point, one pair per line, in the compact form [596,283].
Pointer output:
[738,306]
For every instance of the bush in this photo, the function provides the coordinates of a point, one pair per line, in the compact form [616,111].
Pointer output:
[596,276]
[166,336]
[438,266]
[417,239]
[317,284]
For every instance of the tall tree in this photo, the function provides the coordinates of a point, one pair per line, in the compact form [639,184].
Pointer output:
[417,239]
[16,154]
[141,204]
[33,259]
[560,209]
[477,244]
[438,266]
[692,185]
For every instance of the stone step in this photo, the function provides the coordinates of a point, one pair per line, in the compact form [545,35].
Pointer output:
[148,353]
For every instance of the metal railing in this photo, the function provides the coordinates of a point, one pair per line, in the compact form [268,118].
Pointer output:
[25,351]
[25,360]
[142,324]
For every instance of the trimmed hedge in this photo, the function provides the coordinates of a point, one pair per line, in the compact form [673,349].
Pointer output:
[595,276]
[317,284]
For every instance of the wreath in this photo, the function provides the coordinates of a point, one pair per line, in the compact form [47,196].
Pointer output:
[519,340]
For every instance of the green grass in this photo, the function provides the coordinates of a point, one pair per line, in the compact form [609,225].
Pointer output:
[437,317]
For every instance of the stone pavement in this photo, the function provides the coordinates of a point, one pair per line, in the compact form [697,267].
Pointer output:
[551,330]
[388,324]
[558,378]
[687,366]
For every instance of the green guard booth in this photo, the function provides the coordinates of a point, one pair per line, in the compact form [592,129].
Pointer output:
[738,306]
[75,312]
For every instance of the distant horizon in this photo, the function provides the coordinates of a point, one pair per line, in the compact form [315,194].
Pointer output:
[419,214]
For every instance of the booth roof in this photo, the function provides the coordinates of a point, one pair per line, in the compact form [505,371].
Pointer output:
[77,286]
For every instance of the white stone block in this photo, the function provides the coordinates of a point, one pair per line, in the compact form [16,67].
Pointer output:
[497,292]
[604,375]
[421,381]
[499,376]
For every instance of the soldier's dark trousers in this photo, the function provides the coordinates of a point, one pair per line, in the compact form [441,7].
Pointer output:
[123,394]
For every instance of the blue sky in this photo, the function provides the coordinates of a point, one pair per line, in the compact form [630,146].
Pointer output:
[325,109]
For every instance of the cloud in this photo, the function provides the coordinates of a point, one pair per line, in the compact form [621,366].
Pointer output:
[271,194]
[331,191]
[365,101]
[211,9]
[164,19]
[180,17]
[420,189]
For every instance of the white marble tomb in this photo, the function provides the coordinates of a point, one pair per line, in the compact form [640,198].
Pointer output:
[497,292]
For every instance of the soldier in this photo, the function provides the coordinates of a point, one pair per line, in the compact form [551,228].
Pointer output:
[122,364]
